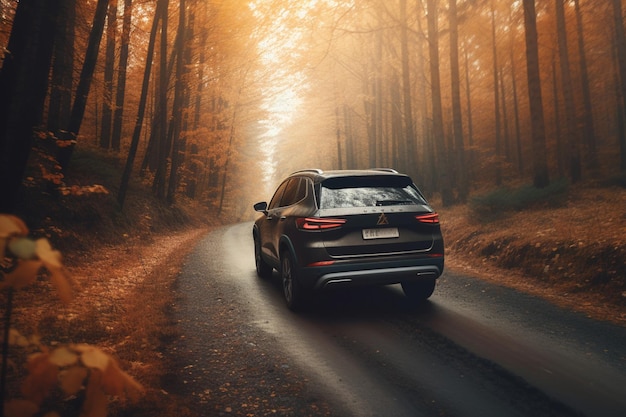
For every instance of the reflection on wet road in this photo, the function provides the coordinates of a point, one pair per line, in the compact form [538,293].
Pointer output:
[474,349]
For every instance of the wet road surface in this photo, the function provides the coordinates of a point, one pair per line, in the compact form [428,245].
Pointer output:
[474,349]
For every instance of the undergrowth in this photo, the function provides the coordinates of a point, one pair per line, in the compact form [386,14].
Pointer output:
[504,200]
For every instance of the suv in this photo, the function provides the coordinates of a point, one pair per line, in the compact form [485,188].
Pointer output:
[343,228]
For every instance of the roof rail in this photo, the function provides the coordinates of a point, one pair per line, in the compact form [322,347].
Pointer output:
[316,170]
[385,170]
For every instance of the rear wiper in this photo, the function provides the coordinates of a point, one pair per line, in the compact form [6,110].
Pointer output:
[393,202]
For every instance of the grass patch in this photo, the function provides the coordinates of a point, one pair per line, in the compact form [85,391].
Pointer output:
[506,199]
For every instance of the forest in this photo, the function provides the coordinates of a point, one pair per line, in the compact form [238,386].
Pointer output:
[200,99]
[208,104]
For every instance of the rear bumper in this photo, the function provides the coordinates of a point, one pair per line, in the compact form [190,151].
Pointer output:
[383,276]
[368,274]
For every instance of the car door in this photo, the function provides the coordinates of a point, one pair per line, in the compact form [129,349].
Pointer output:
[274,222]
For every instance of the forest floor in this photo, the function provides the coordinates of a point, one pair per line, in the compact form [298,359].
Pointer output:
[572,254]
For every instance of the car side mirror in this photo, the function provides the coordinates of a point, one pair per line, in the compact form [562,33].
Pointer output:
[262,206]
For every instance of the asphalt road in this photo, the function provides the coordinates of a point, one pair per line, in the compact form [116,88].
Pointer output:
[474,349]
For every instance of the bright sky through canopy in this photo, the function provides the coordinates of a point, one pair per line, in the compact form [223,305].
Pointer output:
[279,40]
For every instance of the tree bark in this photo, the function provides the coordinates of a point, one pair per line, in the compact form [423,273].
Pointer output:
[571,121]
[23,87]
[496,99]
[109,65]
[132,152]
[177,107]
[447,197]
[541,178]
[121,77]
[620,45]
[60,102]
[409,129]
[158,185]
[68,140]
[457,116]
[589,128]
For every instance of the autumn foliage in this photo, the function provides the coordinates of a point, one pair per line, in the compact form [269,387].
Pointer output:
[60,371]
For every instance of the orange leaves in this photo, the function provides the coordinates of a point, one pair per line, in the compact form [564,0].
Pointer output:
[77,190]
[76,368]
[29,257]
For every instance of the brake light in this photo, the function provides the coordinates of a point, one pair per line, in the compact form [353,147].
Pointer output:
[310,223]
[430,218]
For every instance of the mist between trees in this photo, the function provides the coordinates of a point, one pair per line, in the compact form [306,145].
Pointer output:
[216,101]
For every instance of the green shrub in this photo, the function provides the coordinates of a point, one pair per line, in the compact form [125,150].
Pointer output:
[506,199]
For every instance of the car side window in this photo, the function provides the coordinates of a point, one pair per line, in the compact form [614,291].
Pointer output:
[304,184]
[291,192]
[277,196]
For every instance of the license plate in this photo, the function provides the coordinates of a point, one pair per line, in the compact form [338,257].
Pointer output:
[384,233]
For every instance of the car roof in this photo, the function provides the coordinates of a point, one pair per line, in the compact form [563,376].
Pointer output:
[319,175]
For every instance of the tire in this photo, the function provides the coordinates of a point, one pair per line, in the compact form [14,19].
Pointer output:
[292,290]
[263,270]
[419,290]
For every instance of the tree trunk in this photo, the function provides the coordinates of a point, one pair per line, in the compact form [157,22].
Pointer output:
[177,107]
[571,122]
[457,116]
[121,77]
[620,45]
[338,137]
[541,177]
[23,87]
[470,123]
[68,142]
[516,120]
[60,102]
[121,196]
[409,129]
[109,65]
[347,118]
[560,151]
[158,185]
[496,99]
[589,128]
[447,197]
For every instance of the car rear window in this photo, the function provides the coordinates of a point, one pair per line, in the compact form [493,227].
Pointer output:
[368,191]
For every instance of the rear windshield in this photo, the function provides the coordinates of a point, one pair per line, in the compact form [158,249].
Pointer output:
[368,191]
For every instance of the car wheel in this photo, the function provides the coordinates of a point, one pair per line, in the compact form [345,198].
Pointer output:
[263,270]
[419,290]
[292,290]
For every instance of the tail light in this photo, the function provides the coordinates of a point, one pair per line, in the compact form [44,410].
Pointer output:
[310,223]
[430,218]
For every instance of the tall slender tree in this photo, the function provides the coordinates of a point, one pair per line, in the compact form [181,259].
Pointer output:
[589,127]
[620,46]
[409,129]
[121,76]
[496,96]
[60,101]
[177,106]
[573,135]
[109,66]
[68,142]
[23,87]
[444,184]
[541,177]
[141,109]
[457,117]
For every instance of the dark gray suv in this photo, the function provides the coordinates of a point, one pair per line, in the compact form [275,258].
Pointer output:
[332,229]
